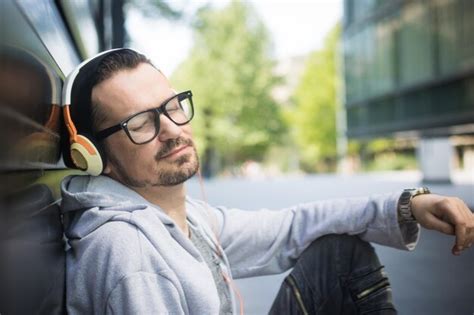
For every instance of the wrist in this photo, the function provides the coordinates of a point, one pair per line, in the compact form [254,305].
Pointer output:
[404,210]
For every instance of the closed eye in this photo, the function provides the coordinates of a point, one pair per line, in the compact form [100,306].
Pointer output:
[173,106]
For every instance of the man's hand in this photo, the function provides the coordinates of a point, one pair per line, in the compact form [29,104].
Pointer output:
[449,215]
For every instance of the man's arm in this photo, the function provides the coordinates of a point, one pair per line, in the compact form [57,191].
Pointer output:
[266,242]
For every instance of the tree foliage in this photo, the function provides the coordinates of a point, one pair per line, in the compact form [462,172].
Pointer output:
[313,119]
[230,72]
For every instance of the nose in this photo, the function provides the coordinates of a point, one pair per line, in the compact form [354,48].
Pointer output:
[168,129]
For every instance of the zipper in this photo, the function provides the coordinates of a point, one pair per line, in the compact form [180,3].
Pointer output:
[379,285]
[291,281]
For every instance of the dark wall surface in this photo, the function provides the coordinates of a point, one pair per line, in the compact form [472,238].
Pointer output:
[32,259]
[40,43]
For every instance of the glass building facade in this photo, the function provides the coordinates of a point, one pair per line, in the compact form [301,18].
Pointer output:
[408,66]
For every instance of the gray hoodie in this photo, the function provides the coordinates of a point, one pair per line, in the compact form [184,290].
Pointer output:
[127,256]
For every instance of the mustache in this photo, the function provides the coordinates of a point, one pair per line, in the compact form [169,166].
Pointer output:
[172,144]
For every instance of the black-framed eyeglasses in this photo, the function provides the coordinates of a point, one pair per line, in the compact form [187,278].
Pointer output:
[144,126]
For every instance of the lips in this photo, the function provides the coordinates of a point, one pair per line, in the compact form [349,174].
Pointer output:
[174,151]
[173,146]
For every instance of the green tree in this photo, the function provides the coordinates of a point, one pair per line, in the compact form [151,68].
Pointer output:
[313,119]
[231,74]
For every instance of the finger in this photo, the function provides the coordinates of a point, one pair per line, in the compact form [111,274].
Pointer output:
[471,224]
[455,250]
[456,213]
[433,223]
[464,228]
[468,223]
[461,236]
[470,230]
[470,239]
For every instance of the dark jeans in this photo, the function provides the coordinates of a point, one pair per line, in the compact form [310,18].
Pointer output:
[336,274]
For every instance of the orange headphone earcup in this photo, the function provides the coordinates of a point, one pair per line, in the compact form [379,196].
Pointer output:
[86,156]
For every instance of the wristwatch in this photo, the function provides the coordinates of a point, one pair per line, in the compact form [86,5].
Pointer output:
[404,203]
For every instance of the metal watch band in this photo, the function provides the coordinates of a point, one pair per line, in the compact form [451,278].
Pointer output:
[404,204]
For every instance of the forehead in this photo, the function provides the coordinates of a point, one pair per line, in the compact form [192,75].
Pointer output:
[130,91]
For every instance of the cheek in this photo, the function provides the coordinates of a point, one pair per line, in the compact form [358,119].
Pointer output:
[139,156]
[188,131]
[124,152]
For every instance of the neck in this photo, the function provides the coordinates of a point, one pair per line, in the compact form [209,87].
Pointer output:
[171,199]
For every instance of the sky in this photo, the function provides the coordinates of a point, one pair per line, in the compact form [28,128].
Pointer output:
[297,27]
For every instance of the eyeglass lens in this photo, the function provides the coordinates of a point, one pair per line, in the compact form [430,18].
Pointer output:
[145,126]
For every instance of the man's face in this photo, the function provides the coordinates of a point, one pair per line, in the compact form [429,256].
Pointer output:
[167,160]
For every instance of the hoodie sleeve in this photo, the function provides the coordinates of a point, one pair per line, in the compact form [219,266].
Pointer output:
[267,242]
[144,293]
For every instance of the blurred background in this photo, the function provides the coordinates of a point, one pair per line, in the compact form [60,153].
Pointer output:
[296,101]
[326,86]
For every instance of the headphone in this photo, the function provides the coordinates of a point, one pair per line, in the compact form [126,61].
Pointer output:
[83,153]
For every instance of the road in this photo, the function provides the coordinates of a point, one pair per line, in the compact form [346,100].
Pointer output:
[427,281]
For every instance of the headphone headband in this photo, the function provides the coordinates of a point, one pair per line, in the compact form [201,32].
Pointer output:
[67,87]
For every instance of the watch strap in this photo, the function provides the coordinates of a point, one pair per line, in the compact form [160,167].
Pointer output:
[405,213]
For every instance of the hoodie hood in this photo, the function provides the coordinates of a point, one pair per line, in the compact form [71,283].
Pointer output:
[104,199]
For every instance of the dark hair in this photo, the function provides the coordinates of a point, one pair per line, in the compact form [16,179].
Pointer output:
[110,65]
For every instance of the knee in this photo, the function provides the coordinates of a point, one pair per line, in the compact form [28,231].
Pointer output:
[334,264]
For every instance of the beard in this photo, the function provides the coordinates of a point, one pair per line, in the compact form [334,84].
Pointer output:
[187,166]
[170,173]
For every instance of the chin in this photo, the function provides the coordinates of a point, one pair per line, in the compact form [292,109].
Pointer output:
[182,169]
[172,178]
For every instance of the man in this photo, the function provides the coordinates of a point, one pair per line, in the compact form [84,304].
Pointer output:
[139,245]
